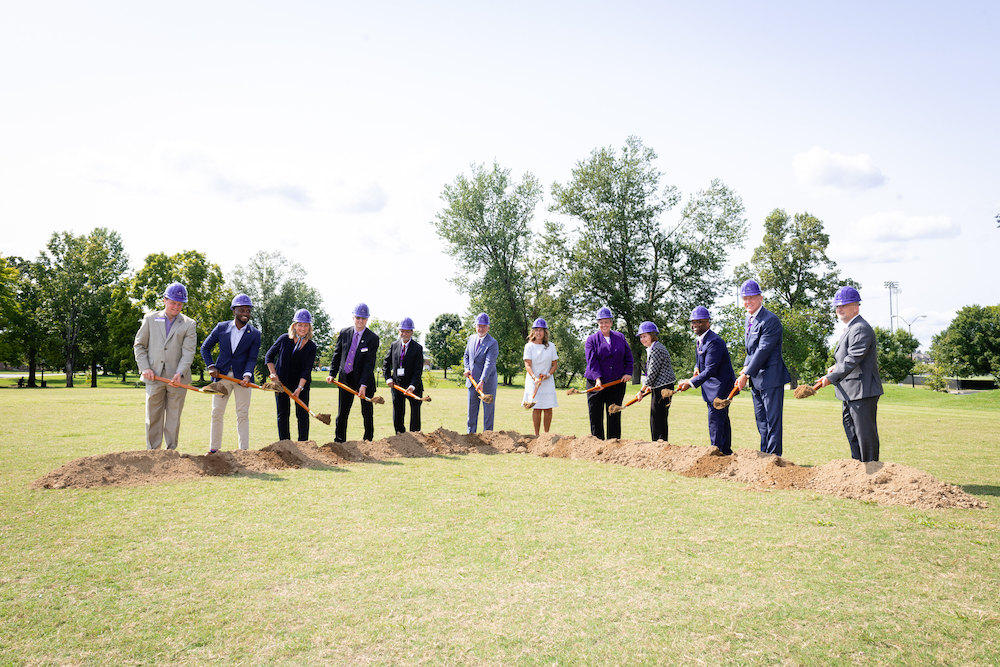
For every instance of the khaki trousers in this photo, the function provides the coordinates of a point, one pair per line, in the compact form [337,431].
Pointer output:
[163,414]
[219,403]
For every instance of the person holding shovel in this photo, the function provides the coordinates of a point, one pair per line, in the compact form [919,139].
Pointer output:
[290,360]
[540,362]
[480,362]
[354,358]
[403,366]
[239,343]
[164,346]
[713,372]
[659,376]
[609,358]
[764,369]
[855,376]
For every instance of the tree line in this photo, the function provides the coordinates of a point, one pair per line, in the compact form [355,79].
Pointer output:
[78,306]
[621,238]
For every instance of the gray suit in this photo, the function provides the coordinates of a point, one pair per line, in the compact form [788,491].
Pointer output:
[166,354]
[857,383]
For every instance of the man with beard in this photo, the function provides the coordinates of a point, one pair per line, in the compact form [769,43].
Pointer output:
[239,343]
[713,372]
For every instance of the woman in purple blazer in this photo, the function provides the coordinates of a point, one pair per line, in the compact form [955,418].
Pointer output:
[609,358]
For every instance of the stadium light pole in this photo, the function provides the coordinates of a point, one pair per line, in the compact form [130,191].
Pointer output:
[909,328]
[891,285]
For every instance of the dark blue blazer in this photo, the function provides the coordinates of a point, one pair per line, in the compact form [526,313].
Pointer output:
[241,360]
[290,364]
[715,369]
[607,363]
[765,367]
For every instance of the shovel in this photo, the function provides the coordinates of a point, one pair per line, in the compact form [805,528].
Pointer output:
[530,404]
[251,384]
[574,390]
[409,393]
[805,391]
[322,417]
[378,400]
[615,409]
[722,403]
[205,390]
[487,398]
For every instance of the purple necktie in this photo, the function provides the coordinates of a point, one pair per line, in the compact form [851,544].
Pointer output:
[349,365]
[749,325]
[479,342]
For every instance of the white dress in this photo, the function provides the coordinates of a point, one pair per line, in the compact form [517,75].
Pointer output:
[541,359]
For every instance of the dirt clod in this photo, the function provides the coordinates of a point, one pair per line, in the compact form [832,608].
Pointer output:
[881,482]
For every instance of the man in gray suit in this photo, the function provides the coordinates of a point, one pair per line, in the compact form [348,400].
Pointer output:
[480,363]
[164,346]
[855,376]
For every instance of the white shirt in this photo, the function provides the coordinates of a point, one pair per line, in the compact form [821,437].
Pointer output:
[235,336]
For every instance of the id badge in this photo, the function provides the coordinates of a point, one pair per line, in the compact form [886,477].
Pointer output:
[400,370]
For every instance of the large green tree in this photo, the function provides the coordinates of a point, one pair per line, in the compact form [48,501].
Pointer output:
[798,280]
[208,295]
[10,311]
[895,353]
[486,227]
[624,253]
[28,336]
[81,273]
[124,319]
[445,341]
[277,289]
[971,343]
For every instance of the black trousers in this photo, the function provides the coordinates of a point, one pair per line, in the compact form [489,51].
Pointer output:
[861,428]
[399,411]
[283,403]
[344,412]
[658,411]
[597,407]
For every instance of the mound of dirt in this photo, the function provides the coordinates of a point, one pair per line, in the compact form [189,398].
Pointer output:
[883,483]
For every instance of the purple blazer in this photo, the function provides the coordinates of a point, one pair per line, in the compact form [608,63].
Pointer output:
[607,363]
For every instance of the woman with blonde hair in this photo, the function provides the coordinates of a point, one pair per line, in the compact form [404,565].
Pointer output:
[290,361]
[540,362]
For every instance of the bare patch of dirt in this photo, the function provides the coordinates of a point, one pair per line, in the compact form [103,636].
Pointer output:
[883,483]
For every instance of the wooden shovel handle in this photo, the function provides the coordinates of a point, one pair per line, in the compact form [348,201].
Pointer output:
[296,398]
[346,388]
[636,399]
[604,386]
[406,392]
[232,379]
[736,390]
[179,384]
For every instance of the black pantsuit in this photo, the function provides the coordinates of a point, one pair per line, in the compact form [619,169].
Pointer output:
[284,403]
[597,405]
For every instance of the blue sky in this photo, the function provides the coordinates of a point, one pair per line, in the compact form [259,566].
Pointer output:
[327,130]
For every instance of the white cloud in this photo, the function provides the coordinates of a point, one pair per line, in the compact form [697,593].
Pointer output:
[820,168]
[897,226]
[359,197]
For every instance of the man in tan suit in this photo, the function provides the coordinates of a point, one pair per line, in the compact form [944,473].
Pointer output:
[165,347]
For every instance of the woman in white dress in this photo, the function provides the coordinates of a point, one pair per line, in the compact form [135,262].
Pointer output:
[540,361]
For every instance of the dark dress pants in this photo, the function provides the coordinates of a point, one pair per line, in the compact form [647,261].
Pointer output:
[399,401]
[659,409]
[344,412]
[720,431]
[861,428]
[768,405]
[301,416]
[597,406]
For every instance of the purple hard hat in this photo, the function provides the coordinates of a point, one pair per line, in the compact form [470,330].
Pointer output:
[303,315]
[482,318]
[648,327]
[700,313]
[361,310]
[749,288]
[407,324]
[176,292]
[846,295]
[604,313]
[539,324]
[241,300]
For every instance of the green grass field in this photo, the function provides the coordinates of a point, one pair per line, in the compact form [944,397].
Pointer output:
[494,560]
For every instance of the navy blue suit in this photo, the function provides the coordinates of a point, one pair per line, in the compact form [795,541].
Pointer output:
[291,365]
[716,379]
[235,363]
[768,374]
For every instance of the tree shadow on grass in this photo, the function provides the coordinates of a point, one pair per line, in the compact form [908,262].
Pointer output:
[981,490]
